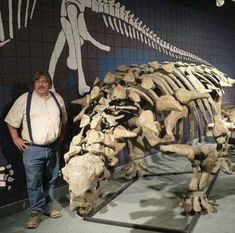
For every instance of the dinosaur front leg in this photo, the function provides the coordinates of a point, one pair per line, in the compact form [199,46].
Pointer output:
[203,164]
[136,165]
[203,160]
[191,201]
[67,29]
[59,45]
[196,200]
[72,11]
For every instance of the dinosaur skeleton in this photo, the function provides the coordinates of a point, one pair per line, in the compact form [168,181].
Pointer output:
[144,107]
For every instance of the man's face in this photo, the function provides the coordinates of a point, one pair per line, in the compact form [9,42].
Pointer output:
[41,86]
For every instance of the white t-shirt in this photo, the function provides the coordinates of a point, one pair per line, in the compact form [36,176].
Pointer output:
[44,116]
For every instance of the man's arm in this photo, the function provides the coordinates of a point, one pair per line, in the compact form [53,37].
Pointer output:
[18,141]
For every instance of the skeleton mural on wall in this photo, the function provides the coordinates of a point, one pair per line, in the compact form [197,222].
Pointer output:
[220,3]
[6,173]
[75,32]
[23,17]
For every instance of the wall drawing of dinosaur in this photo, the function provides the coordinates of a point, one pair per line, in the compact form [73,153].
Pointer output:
[6,173]
[220,3]
[75,32]
[23,16]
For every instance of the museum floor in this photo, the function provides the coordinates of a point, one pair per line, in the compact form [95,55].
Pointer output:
[146,205]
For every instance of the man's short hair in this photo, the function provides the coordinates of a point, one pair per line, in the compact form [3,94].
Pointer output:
[41,73]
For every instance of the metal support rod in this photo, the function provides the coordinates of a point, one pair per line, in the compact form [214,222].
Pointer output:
[119,191]
[134,226]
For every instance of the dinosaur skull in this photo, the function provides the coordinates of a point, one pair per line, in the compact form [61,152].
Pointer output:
[86,176]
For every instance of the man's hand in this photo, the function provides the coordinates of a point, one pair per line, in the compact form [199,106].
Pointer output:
[20,143]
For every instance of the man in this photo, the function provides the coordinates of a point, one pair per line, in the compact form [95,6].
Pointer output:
[42,117]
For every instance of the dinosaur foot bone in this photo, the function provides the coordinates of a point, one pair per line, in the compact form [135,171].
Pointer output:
[224,164]
[135,168]
[197,202]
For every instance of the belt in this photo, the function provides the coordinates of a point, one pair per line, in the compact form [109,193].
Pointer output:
[47,145]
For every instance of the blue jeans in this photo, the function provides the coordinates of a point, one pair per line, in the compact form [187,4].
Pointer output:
[42,168]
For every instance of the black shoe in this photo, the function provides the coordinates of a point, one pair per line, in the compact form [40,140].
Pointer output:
[34,220]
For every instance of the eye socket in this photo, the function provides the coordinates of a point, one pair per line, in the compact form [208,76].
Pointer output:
[88,191]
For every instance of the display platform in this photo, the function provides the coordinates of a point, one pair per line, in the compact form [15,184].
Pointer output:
[152,202]
[126,206]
